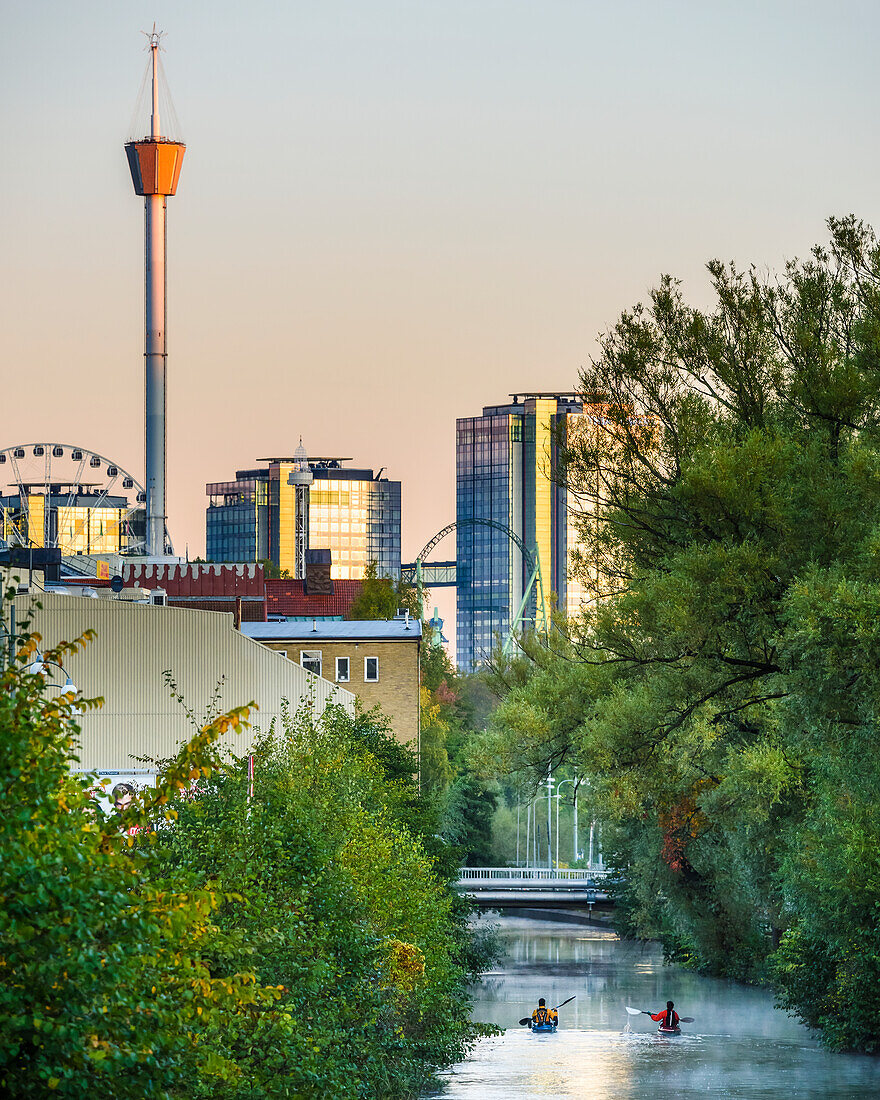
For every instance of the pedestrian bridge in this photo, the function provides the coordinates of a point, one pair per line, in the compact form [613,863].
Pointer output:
[528,887]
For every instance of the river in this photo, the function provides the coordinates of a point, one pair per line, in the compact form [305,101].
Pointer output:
[738,1045]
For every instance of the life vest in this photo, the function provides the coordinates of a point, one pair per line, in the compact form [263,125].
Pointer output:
[667,1018]
[543,1015]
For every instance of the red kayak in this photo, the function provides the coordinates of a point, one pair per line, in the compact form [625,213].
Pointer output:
[661,1030]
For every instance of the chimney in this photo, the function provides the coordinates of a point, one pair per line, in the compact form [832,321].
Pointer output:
[317,580]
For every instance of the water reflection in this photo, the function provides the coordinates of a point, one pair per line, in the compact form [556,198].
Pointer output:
[738,1046]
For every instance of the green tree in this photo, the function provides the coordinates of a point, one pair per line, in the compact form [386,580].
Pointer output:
[273,572]
[382,597]
[337,903]
[720,697]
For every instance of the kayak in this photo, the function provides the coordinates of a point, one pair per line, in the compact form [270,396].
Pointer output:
[546,1029]
[661,1030]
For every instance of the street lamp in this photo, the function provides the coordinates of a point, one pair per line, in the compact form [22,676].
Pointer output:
[549,806]
[559,787]
[532,841]
[39,665]
[7,650]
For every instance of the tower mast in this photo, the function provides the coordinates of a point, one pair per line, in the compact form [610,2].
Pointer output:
[155,164]
[301,477]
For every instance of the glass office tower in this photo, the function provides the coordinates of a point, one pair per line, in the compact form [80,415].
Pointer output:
[351,512]
[504,473]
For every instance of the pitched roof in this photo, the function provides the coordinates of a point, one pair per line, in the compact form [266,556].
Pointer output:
[286,597]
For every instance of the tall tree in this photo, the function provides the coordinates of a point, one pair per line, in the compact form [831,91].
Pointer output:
[720,693]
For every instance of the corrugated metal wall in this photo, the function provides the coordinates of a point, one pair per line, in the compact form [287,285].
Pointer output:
[136,643]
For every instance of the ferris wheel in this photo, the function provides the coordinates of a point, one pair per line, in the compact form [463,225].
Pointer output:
[62,496]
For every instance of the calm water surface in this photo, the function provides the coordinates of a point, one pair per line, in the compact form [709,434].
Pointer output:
[738,1045]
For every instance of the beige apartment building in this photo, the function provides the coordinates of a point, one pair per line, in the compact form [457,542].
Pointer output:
[375,659]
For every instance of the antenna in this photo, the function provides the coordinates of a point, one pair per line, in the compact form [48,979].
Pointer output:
[154,38]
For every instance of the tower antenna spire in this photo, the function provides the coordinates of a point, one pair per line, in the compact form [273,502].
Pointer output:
[155,127]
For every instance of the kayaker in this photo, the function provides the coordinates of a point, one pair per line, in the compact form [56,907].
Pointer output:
[544,1015]
[668,1019]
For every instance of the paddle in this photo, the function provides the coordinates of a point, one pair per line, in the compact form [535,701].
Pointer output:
[527,1019]
[641,1011]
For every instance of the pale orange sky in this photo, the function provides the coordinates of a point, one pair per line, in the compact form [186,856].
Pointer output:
[391,214]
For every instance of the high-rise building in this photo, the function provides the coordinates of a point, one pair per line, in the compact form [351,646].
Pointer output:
[351,512]
[505,463]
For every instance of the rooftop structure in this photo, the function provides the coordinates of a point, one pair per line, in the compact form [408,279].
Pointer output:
[403,628]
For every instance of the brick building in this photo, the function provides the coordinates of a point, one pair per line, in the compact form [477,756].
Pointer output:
[377,660]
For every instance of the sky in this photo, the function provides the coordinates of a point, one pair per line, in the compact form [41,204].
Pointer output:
[393,213]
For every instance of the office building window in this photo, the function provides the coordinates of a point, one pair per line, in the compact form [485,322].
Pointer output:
[310,659]
[371,670]
[343,673]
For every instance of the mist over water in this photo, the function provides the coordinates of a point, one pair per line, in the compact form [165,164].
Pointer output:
[738,1045]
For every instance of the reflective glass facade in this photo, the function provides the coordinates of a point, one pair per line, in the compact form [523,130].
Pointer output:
[350,512]
[232,520]
[504,472]
[76,522]
[488,571]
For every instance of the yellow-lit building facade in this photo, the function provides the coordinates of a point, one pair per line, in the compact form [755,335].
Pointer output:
[506,464]
[74,522]
[352,512]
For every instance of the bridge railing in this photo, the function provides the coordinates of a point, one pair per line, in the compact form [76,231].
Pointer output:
[532,874]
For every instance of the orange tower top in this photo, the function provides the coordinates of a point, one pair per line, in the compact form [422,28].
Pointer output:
[155,162]
[155,165]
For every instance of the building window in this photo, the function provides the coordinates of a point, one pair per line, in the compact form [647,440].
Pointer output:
[371,670]
[343,672]
[310,659]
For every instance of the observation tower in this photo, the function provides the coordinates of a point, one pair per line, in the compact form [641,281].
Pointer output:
[155,163]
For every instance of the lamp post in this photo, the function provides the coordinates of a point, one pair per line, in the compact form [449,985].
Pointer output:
[549,804]
[11,636]
[532,843]
[7,652]
[559,787]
